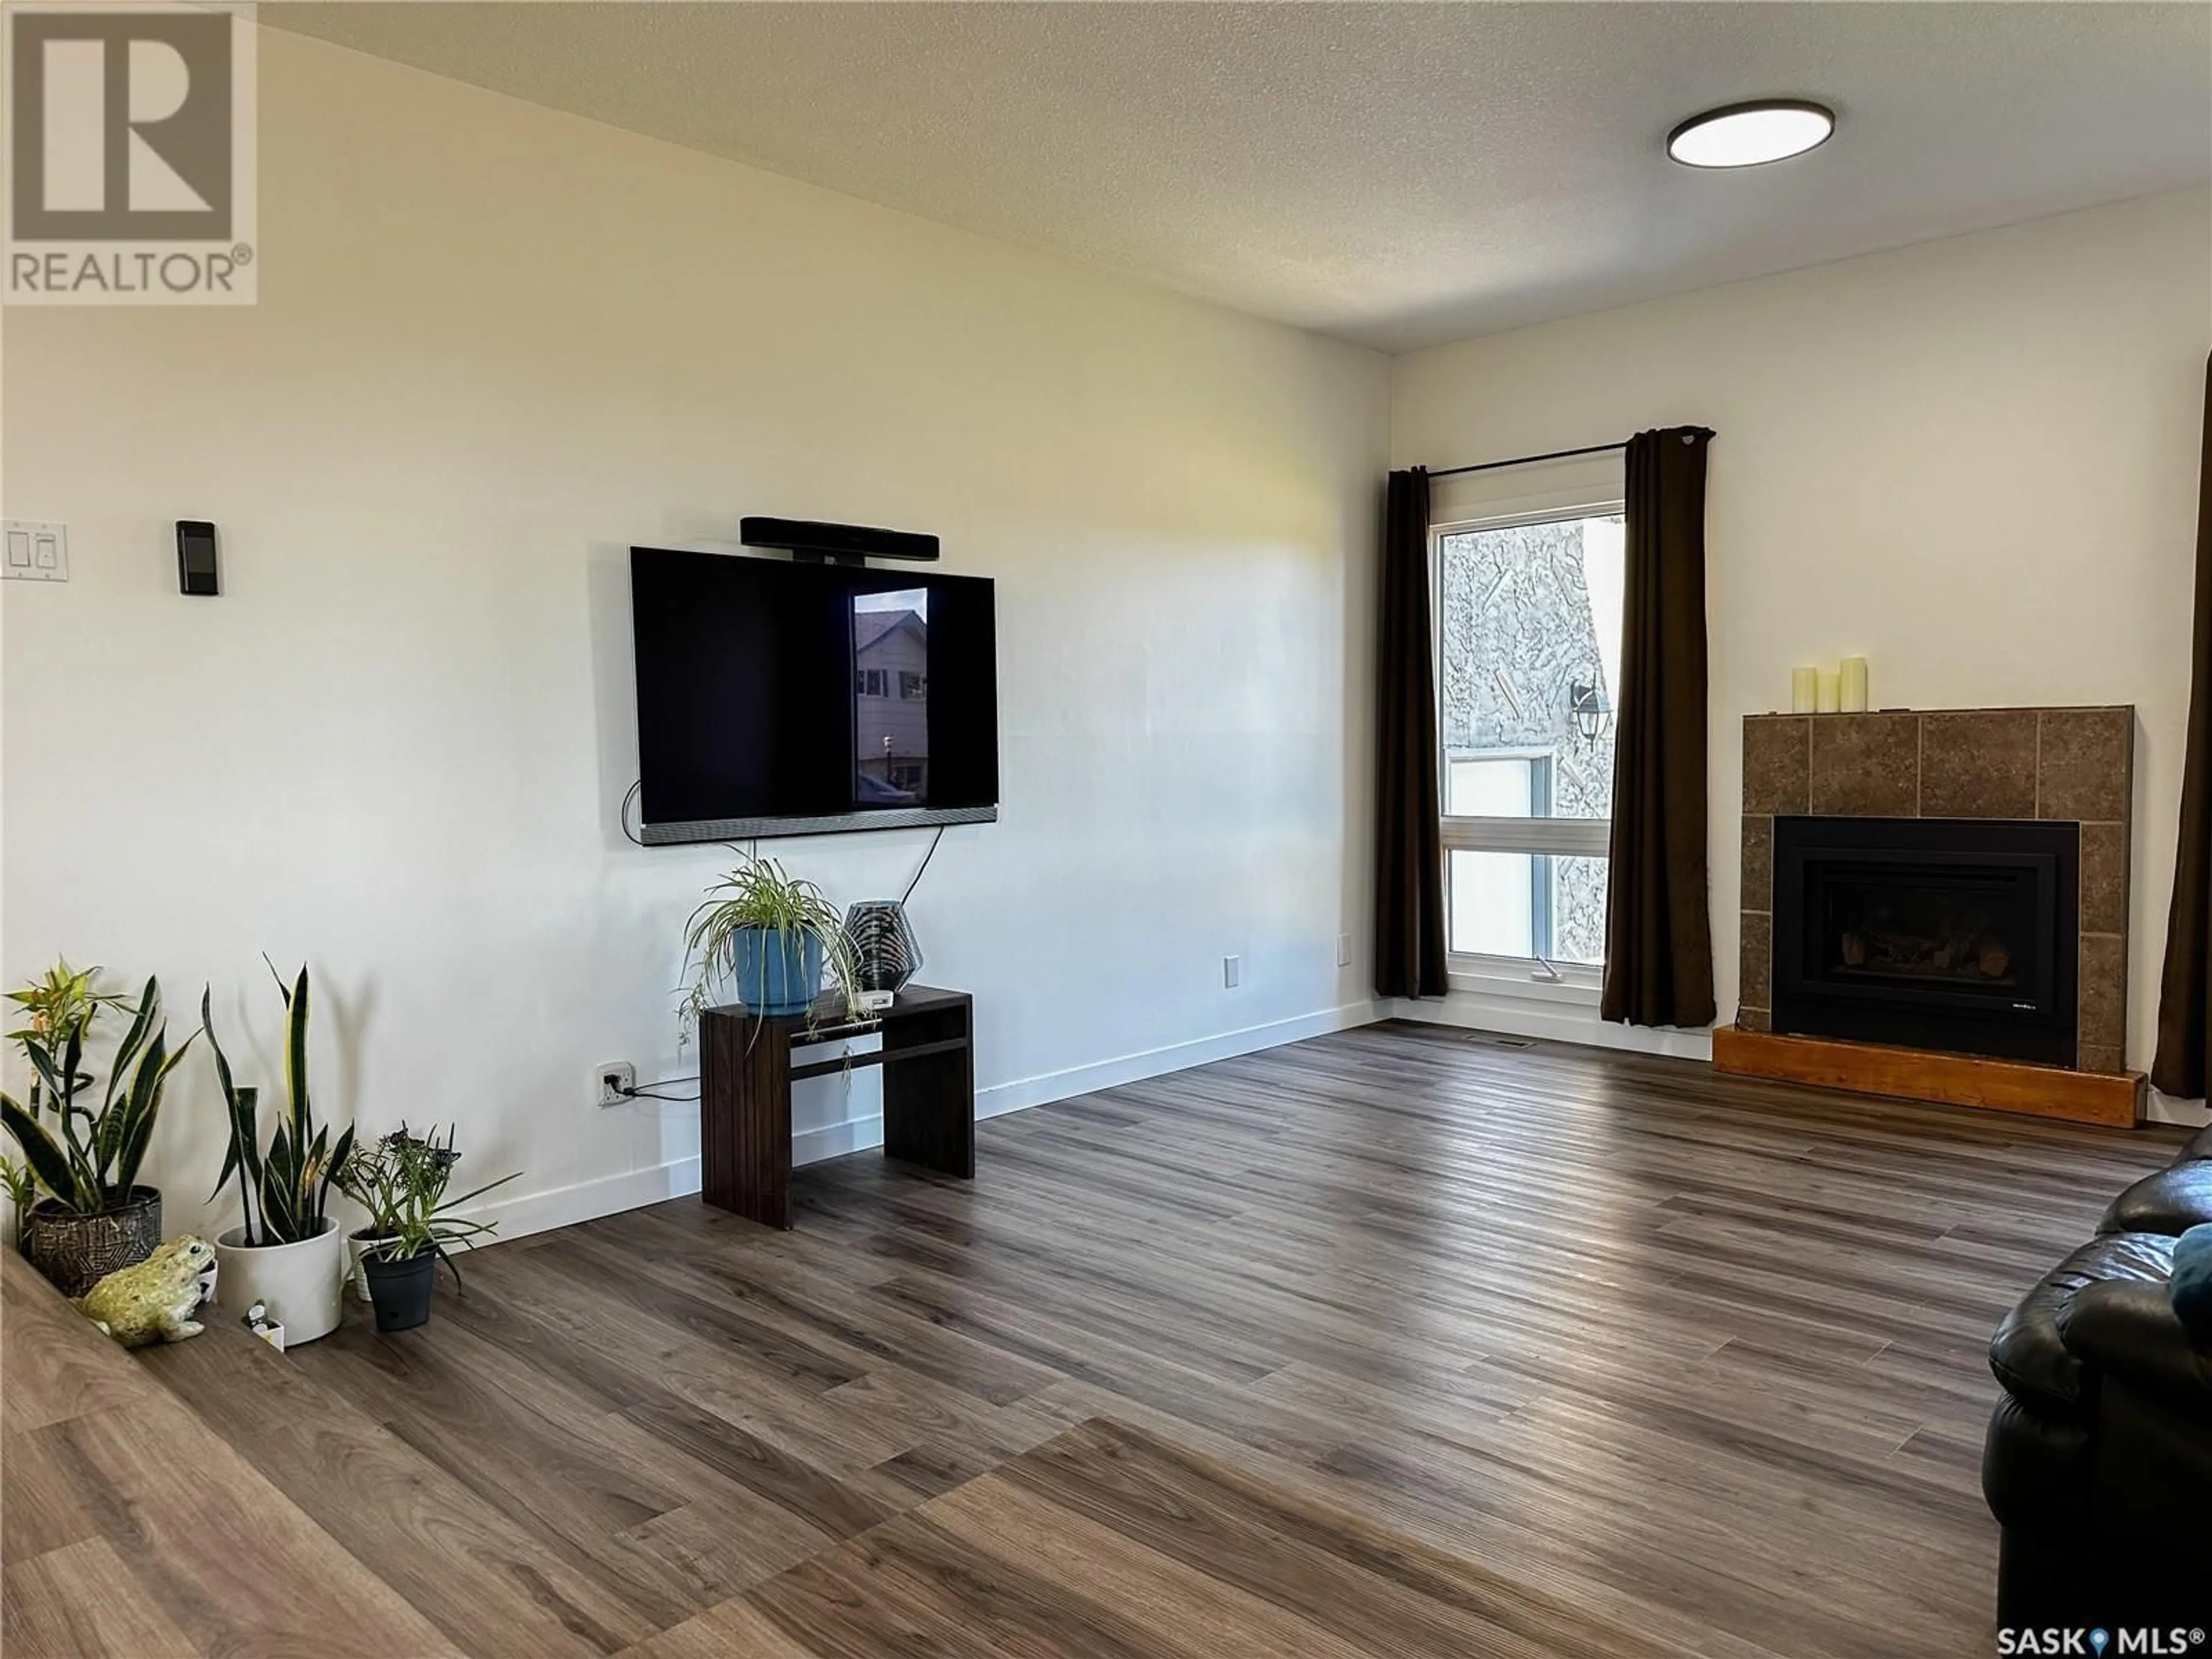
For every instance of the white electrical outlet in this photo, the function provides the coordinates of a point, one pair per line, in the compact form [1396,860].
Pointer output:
[1233,972]
[613,1082]
[36,550]
[1343,950]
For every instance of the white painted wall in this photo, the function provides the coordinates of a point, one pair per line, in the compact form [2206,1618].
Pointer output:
[1974,462]
[496,345]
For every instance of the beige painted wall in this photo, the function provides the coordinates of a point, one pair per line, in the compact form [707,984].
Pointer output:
[1973,462]
[495,346]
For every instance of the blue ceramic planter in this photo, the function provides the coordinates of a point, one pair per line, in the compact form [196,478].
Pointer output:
[777,973]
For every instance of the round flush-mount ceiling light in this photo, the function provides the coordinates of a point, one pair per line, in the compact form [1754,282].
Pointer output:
[1750,135]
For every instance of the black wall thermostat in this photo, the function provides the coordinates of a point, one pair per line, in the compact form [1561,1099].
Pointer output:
[196,567]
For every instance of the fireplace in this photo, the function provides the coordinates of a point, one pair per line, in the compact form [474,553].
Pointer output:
[1956,934]
[1935,906]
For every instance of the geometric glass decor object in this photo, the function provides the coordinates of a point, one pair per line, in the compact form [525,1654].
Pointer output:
[883,946]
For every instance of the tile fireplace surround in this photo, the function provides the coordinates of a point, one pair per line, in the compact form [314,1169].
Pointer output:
[2074,764]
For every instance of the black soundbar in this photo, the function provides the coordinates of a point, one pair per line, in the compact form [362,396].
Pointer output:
[836,541]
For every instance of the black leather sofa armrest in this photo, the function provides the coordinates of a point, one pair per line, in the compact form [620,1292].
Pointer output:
[2170,1202]
[2129,1330]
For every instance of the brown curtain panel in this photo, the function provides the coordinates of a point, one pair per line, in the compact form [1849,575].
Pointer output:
[1409,878]
[2184,996]
[1658,930]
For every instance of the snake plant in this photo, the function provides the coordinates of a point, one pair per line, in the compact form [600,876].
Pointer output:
[290,1183]
[88,1159]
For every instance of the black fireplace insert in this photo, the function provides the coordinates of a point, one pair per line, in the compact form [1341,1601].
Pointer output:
[1961,934]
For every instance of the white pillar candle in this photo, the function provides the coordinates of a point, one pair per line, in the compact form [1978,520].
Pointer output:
[1829,692]
[1804,690]
[1854,689]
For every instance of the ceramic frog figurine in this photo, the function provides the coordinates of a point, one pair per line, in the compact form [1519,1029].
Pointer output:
[154,1300]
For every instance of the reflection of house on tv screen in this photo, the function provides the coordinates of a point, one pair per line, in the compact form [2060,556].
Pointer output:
[890,697]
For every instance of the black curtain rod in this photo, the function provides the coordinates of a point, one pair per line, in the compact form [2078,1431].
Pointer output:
[1528,461]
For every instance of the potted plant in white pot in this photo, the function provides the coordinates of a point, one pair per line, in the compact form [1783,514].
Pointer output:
[290,1258]
[401,1181]
[95,1217]
[770,938]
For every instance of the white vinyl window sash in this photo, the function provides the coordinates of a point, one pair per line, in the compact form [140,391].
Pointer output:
[1532,834]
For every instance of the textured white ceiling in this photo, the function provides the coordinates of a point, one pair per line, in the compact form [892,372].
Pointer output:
[1397,175]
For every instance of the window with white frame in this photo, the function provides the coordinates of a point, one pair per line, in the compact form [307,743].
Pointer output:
[1529,615]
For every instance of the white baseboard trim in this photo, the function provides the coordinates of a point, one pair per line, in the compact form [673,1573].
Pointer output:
[1048,1086]
[853,1134]
[563,1206]
[1522,1016]
[2172,1109]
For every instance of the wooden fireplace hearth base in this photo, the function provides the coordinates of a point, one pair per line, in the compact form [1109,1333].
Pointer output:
[1870,1068]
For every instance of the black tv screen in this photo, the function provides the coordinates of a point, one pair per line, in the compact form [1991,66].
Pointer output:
[780,698]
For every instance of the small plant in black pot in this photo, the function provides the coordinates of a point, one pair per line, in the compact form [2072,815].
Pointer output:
[363,1240]
[401,1181]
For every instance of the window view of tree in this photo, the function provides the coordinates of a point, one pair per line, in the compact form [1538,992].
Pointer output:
[1529,627]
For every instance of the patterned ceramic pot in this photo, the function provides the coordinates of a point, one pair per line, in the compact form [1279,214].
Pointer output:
[75,1252]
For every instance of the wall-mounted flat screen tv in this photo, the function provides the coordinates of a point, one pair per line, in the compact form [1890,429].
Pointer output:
[776,698]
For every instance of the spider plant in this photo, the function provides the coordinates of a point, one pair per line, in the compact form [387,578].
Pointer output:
[401,1181]
[89,1159]
[290,1183]
[758,896]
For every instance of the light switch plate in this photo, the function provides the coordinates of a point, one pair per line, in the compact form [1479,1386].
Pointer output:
[36,552]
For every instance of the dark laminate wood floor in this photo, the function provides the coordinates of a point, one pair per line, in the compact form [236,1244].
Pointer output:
[1108,1541]
[1692,1358]
[127,1529]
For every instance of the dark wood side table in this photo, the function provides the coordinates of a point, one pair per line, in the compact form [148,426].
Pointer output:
[746,1071]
